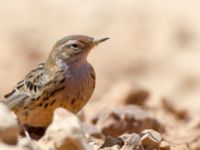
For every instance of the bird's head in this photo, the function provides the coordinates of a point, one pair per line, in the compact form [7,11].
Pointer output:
[74,48]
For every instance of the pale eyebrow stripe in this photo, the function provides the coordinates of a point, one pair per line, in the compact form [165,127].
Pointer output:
[70,42]
[74,41]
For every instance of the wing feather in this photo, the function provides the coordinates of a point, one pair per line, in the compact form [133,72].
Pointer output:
[28,89]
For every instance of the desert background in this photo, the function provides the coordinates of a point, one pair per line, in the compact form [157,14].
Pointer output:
[154,44]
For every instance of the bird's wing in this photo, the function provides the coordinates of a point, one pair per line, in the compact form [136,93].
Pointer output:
[28,89]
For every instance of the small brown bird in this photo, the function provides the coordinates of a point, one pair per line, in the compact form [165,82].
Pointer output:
[66,80]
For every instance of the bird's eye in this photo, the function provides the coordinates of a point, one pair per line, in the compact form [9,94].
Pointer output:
[74,46]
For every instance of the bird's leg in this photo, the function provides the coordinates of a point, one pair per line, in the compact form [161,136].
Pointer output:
[23,127]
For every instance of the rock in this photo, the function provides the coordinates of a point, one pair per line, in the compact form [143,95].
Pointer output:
[116,147]
[164,145]
[112,141]
[65,133]
[126,92]
[124,142]
[95,143]
[131,142]
[150,139]
[125,119]
[4,146]
[8,125]
[24,144]
[91,130]
[27,144]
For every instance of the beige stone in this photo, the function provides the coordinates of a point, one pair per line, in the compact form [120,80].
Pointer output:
[65,133]
[91,130]
[4,146]
[125,119]
[111,141]
[24,144]
[164,145]
[8,125]
[150,138]
[28,144]
[131,142]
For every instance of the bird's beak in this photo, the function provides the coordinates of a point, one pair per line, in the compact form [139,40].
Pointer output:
[97,41]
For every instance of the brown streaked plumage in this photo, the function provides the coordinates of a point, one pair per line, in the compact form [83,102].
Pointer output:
[65,79]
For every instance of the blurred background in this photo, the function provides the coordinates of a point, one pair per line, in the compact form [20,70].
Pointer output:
[153,43]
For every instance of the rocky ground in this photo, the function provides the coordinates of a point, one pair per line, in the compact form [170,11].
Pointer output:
[148,73]
[128,124]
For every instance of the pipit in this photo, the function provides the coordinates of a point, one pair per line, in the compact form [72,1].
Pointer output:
[65,79]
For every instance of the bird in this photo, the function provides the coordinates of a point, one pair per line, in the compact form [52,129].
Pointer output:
[66,79]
